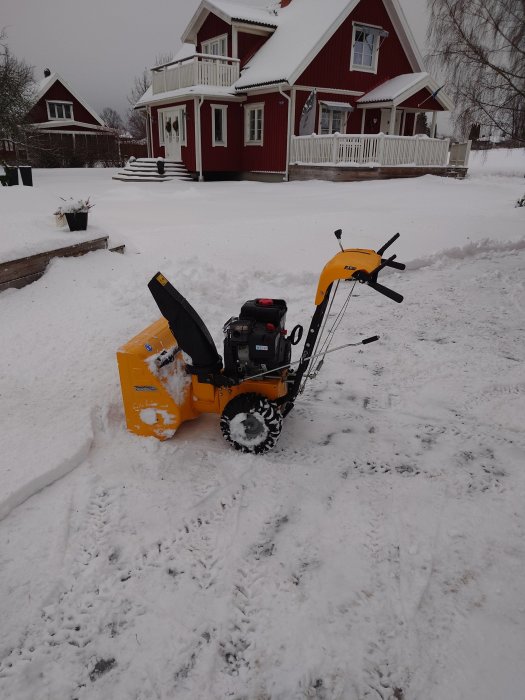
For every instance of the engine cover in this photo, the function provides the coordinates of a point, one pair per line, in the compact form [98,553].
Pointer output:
[256,341]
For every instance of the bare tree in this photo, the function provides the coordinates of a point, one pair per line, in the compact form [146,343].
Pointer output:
[16,93]
[113,120]
[480,47]
[137,118]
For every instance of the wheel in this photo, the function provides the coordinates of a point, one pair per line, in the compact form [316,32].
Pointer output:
[251,423]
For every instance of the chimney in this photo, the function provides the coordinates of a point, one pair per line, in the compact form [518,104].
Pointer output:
[47,72]
[284,3]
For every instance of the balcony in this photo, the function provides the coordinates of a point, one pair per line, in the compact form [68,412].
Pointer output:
[199,69]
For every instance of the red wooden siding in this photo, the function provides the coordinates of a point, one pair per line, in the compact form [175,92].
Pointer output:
[214,26]
[220,158]
[271,157]
[331,66]
[248,45]
[57,92]
[423,97]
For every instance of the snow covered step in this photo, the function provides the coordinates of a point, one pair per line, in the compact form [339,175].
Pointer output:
[146,170]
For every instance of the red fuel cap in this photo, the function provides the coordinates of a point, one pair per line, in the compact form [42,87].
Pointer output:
[265,302]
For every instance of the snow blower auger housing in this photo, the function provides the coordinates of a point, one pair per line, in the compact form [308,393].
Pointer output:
[171,372]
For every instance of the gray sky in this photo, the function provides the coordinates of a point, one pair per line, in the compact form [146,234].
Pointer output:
[101,45]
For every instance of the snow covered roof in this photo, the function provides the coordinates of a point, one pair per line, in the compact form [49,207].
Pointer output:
[402,87]
[231,11]
[194,91]
[44,85]
[304,27]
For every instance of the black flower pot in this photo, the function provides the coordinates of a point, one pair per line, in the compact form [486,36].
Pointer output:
[26,173]
[12,175]
[77,221]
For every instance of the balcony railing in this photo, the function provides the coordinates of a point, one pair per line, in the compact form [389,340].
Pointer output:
[369,149]
[199,69]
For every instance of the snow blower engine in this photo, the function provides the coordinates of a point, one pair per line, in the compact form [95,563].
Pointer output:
[171,372]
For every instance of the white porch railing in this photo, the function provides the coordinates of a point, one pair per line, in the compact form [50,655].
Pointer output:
[200,69]
[369,149]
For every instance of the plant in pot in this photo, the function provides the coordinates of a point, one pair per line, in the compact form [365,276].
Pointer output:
[76,213]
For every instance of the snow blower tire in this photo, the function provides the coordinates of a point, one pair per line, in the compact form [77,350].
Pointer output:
[251,423]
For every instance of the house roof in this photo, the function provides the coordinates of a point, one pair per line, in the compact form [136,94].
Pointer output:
[225,93]
[44,85]
[304,27]
[400,88]
[231,11]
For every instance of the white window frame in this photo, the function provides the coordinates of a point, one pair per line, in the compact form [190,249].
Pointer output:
[358,27]
[248,109]
[224,110]
[221,41]
[160,124]
[344,119]
[60,103]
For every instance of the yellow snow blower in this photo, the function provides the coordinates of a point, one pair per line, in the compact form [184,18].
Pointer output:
[171,372]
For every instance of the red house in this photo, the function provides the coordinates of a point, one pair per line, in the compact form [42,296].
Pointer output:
[267,93]
[66,130]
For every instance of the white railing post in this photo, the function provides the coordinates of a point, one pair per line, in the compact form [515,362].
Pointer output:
[381,149]
[335,149]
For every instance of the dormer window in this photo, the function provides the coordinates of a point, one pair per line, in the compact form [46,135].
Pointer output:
[365,47]
[60,110]
[218,46]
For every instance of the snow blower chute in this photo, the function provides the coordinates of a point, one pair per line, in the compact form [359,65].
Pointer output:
[172,372]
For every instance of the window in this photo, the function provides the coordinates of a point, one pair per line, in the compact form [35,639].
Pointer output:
[253,125]
[60,110]
[219,126]
[217,46]
[365,48]
[332,121]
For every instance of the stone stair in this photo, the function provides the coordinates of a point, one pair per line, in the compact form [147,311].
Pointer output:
[145,170]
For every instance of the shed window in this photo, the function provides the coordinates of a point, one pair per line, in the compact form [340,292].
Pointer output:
[60,110]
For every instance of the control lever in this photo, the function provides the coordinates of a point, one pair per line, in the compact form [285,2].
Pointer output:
[388,244]
[386,291]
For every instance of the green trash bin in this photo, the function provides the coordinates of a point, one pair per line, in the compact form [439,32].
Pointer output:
[12,175]
[26,173]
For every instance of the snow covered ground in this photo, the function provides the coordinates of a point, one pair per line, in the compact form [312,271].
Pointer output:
[377,552]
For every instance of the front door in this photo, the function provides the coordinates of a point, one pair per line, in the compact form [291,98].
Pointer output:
[174,133]
[385,121]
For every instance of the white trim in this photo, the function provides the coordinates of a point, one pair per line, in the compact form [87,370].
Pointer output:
[359,67]
[246,28]
[67,103]
[335,91]
[69,122]
[250,107]
[224,110]
[78,133]
[220,38]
